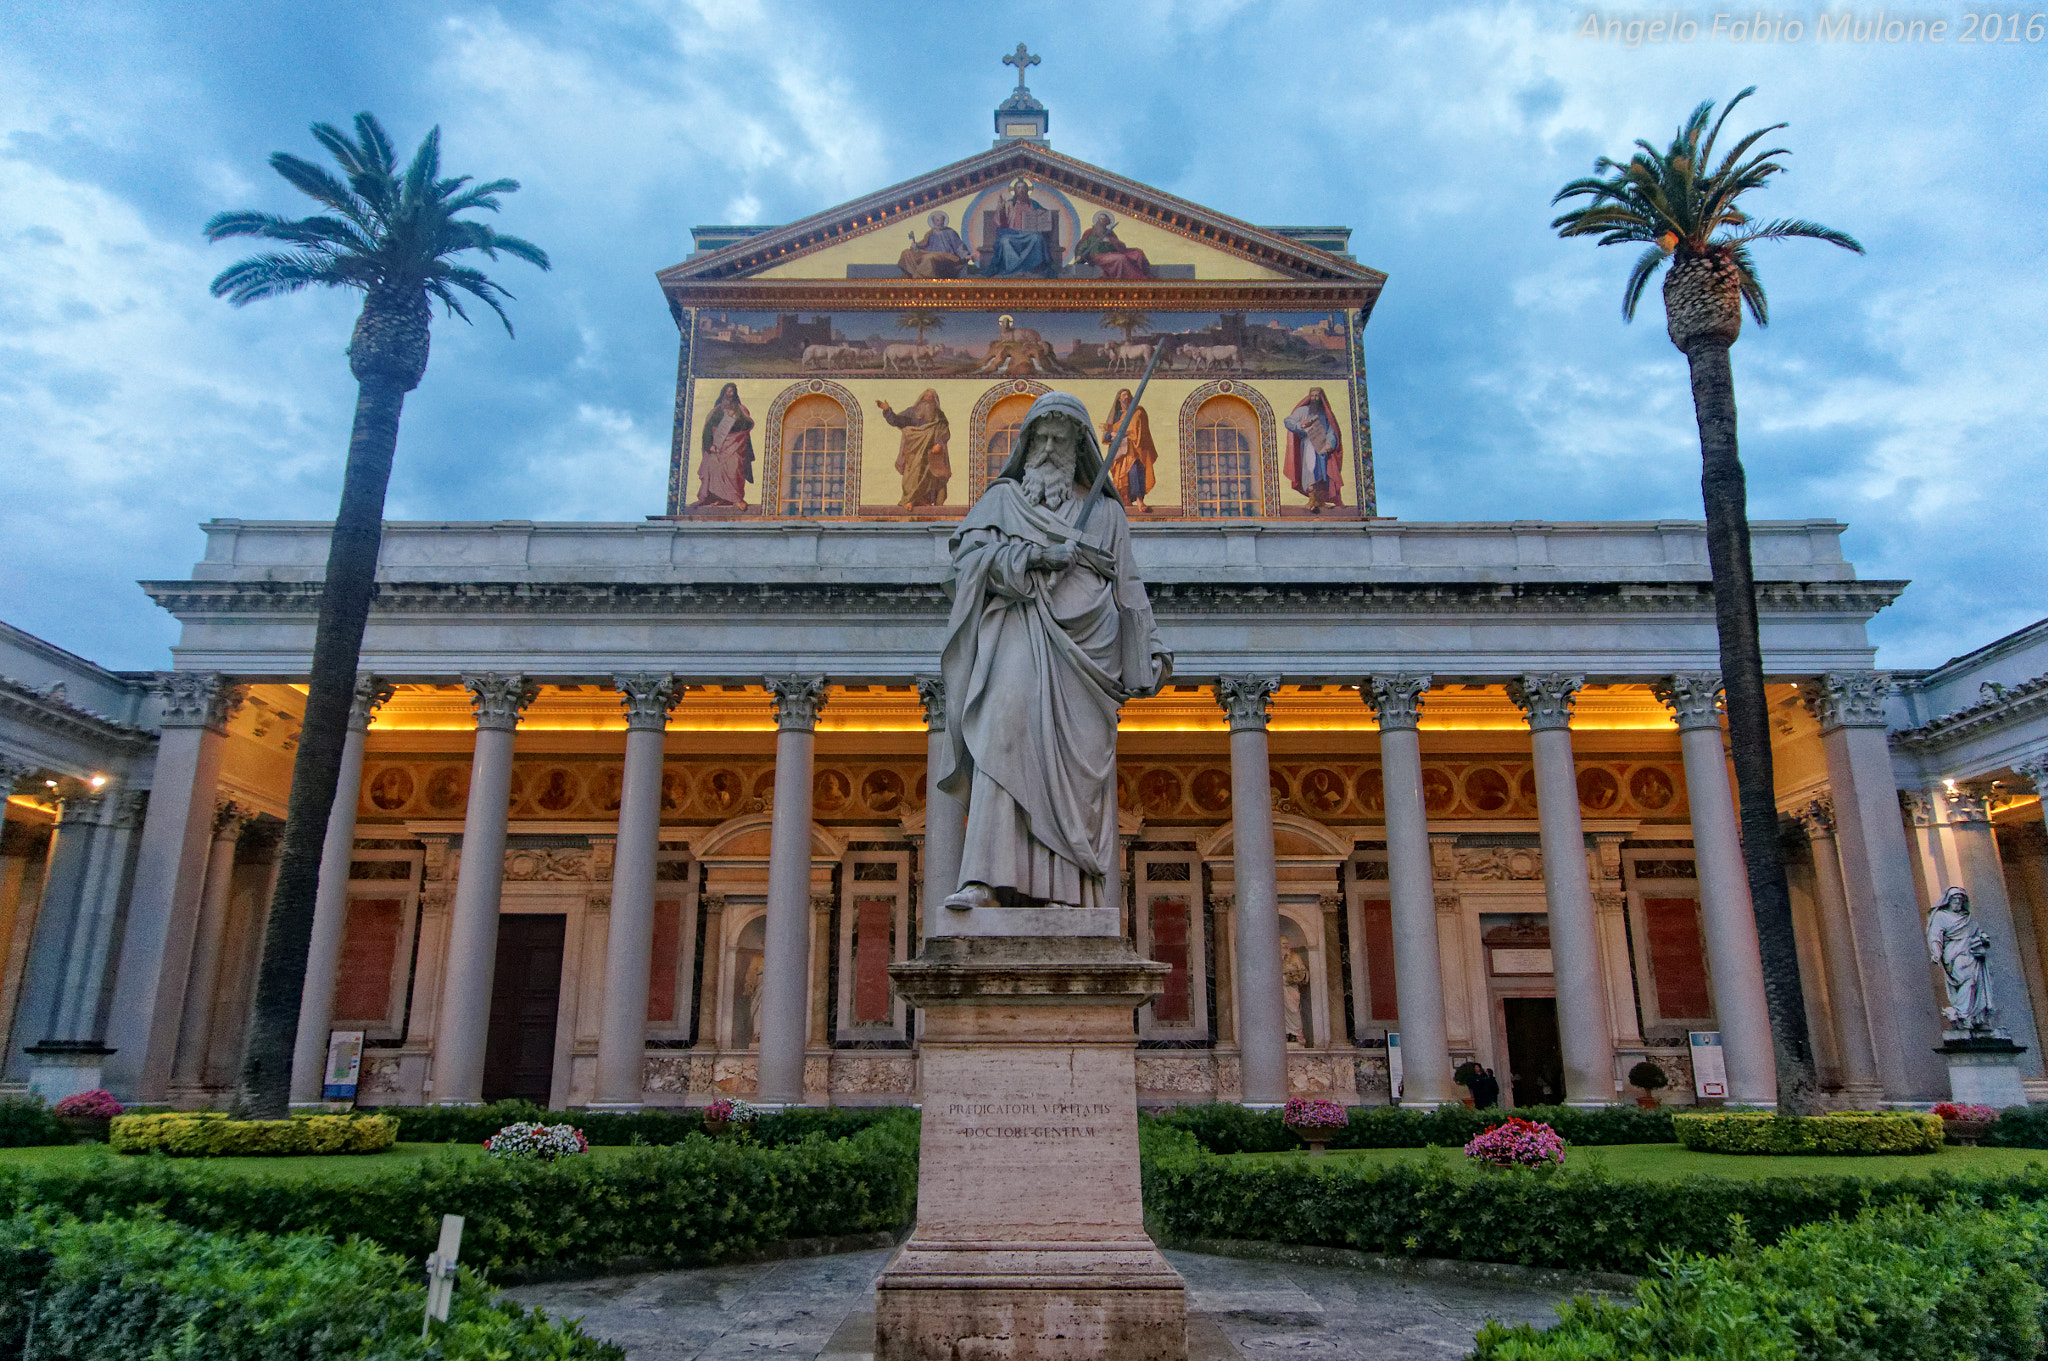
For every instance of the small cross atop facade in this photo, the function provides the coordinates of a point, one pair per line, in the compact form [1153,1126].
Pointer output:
[1020,59]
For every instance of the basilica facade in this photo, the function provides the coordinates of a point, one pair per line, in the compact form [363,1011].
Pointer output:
[609,782]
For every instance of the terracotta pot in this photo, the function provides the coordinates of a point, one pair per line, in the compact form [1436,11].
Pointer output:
[87,1129]
[1648,1103]
[715,1128]
[1965,1132]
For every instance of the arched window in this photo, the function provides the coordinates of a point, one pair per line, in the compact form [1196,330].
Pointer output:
[814,457]
[1226,459]
[1005,420]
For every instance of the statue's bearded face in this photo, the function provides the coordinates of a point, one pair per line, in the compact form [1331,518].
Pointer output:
[1049,461]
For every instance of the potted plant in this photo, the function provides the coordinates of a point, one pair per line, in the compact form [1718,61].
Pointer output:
[1649,1077]
[535,1142]
[1966,1124]
[89,1115]
[1517,1143]
[1313,1119]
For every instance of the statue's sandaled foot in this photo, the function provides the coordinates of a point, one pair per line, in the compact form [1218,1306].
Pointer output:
[972,896]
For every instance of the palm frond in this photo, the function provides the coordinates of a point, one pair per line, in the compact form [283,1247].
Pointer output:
[1787,229]
[1752,287]
[1639,278]
[317,184]
[270,276]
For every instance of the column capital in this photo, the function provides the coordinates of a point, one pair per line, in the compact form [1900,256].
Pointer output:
[931,693]
[1694,698]
[1917,806]
[647,697]
[500,698]
[798,701]
[1817,817]
[371,694]
[197,699]
[229,818]
[1969,804]
[2034,767]
[1248,700]
[1546,700]
[78,809]
[15,772]
[1395,699]
[1848,699]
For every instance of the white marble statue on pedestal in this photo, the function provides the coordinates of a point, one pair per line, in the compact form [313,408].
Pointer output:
[1958,944]
[1051,632]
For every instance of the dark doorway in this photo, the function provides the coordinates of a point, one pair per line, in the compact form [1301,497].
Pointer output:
[1535,1057]
[519,1056]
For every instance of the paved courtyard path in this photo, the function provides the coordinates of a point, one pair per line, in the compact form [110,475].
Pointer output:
[822,1307]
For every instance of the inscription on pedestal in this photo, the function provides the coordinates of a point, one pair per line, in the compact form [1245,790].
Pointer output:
[978,1111]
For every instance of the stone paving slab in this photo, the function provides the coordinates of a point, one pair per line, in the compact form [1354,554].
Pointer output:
[822,1309]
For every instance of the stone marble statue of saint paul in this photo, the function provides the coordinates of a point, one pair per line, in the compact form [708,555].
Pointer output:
[1051,632]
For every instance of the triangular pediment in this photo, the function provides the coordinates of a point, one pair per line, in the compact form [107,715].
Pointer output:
[863,239]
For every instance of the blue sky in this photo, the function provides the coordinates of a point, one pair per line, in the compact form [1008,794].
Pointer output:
[1900,391]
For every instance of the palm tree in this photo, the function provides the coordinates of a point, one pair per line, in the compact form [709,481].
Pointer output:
[1130,323]
[394,236]
[1683,207]
[920,321]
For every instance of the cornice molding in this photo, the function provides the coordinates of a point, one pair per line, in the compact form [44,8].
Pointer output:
[2005,704]
[199,600]
[53,714]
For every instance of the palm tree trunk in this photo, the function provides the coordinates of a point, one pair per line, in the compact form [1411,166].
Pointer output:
[265,1091]
[1725,491]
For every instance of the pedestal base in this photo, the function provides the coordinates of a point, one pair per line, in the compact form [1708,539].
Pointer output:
[58,1069]
[1984,1071]
[1030,1241]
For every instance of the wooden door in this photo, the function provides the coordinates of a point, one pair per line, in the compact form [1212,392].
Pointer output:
[519,1055]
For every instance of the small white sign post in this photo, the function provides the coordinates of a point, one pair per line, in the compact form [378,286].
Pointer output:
[1709,1067]
[441,1272]
[344,1065]
[1396,1077]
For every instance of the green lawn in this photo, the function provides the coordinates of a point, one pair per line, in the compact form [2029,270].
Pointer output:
[1667,1161]
[339,1167]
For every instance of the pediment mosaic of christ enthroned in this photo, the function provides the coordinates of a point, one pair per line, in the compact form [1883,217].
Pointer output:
[1022,213]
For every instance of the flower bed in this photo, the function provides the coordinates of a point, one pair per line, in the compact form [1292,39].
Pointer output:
[98,1104]
[1518,1143]
[535,1142]
[1226,1128]
[209,1134]
[609,1129]
[1846,1133]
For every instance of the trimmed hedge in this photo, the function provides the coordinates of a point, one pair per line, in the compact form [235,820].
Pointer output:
[1576,1217]
[25,1122]
[1226,1128]
[474,1124]
[1853,1133]
[699,1200]
[209,1134]
[146,1288]
[2018,1127]
[1901,1283]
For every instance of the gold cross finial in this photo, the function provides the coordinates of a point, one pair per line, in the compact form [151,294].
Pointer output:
[1020,59]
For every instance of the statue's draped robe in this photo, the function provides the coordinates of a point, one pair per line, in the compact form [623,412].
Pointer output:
[1131,471]
[1315,466]
[1032,667]
[941,255]
[727,461]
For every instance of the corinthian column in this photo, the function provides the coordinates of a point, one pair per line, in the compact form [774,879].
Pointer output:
[629,944]
[1582,1024]
[1734,960]
[195,1026]
[1261,1016]
[473,919]
[1877,872]
[785,953]
[330,902]
[1860,1085]
[170,874]
[1418,968]
[945,821]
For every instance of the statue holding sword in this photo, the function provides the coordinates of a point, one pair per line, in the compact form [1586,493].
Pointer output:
[1051,631]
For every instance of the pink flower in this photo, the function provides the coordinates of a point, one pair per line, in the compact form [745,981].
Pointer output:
[1950,1110]
[1311,1114]
[1518,1143]
[98,1104]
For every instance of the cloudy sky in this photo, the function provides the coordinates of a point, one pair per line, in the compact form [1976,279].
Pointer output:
[1900,392]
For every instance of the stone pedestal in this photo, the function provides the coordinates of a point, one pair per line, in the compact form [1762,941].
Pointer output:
[1983,1070]
[1030,1242]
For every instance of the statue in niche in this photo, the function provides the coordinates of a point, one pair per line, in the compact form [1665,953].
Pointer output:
[1294,981]
[1958,944]
[941,255]
[1051,632]
[922,456]
[750,995]
[726,462]
[1099,246]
